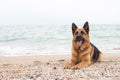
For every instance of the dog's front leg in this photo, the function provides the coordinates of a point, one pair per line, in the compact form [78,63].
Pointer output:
[71,63]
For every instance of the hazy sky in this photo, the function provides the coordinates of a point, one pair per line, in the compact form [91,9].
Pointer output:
[59,11]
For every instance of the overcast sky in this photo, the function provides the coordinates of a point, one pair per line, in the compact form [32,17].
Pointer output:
[59,11]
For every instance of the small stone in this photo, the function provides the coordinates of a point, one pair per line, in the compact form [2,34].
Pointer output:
[102,73]
[38,75]
[31,77]
[54,67]
[48,63]
[61,60]
[56,79]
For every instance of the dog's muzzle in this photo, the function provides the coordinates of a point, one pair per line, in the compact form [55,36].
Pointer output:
[79,40]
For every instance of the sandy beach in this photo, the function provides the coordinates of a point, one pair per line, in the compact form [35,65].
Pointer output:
[50,67]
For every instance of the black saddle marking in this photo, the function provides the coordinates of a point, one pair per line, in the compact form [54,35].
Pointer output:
[95,54]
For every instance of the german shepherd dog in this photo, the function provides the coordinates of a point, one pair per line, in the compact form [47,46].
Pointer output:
[84,53]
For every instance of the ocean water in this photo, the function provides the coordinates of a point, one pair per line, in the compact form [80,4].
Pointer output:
[54,39]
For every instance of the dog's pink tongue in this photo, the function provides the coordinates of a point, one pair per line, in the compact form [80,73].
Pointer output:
[79,43]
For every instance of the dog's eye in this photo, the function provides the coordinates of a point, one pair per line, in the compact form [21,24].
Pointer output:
[76,33]
[82,32]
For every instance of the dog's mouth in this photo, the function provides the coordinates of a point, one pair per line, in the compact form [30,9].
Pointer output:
[79,41]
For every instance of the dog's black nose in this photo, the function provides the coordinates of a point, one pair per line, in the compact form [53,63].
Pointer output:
[78,38]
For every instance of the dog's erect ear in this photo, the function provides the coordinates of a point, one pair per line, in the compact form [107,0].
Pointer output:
[86,27]
[74,27]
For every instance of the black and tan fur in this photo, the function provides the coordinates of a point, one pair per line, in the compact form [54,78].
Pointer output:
[84,53]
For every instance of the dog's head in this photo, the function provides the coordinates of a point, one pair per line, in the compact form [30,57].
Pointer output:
[80,36]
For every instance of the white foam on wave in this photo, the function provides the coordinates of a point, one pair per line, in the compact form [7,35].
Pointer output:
[31,48]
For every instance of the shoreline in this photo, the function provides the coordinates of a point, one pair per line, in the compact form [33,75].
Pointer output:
[44,67]
[44,58]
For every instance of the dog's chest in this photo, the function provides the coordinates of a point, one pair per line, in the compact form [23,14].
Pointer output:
[81,57]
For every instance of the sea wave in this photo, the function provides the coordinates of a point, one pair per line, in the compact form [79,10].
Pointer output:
[37,39]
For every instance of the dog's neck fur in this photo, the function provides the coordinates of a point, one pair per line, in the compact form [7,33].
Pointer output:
[82,49]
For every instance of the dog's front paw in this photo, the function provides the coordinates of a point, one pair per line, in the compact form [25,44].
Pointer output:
[68,66]
[76,67]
